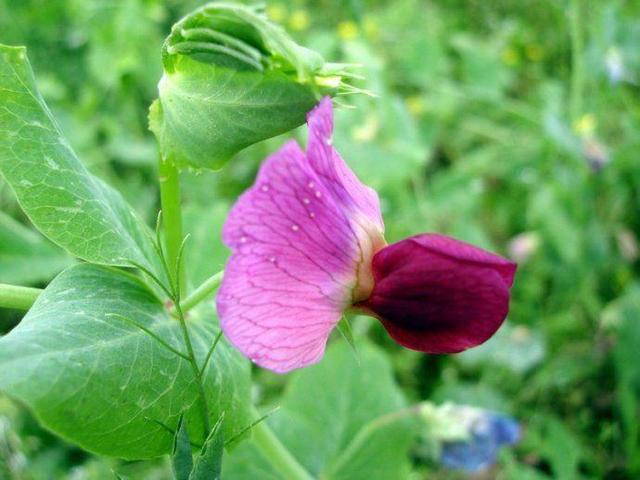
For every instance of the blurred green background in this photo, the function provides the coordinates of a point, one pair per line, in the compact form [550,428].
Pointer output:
[514,125]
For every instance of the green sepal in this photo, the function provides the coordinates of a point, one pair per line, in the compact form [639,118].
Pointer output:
[208,464]
[344,327]
[181,457]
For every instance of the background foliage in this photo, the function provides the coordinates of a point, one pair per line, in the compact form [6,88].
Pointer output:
[512,124]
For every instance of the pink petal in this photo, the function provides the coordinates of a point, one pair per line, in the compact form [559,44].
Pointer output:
[299,236]
[438,295]
[335,173]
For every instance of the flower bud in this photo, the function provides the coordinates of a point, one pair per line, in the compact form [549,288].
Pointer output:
[231,79]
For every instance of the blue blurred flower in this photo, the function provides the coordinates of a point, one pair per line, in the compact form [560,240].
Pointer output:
[615,65]
[488,433]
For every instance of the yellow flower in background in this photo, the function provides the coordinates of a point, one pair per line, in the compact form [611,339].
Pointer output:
[299,20]
[534,52]
[510,56]
[585,126]
[371,27]
[348,30]
[276,12]
[367,131]
[415,105]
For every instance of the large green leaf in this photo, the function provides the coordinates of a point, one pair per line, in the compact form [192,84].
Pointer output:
[25,256]
[101,382]
[325,409]
[63,200]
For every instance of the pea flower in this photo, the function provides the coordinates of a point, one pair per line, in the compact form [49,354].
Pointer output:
[486,433]
[614,64]
[462,437]
[307,243]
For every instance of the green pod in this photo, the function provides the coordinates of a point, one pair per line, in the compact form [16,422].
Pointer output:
[231,79]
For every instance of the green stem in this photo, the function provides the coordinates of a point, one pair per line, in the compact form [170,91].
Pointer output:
[202,292]
[171,213]
[577,60]
[277,454]
[169,177]
[20,298]
[196,370]
[365,433]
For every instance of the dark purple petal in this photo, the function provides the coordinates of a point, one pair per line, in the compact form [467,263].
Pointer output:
[436,294]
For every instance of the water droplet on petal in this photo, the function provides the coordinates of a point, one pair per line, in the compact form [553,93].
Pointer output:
[312,215]
[295,228]
[243,239]
[311,184]
[306,201]
[318,194]
[272,259]
[265,188]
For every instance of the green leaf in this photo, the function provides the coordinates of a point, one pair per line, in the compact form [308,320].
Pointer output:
[516,348]
[330,405]
[208,464]
[559,446]
[231,79]
[206,254]
[624,314]
[181,457]
[105,384]
[63,200]
[25,256]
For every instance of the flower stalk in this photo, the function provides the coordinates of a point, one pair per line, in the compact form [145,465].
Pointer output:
[19,298]
[365,434]
[277,454]
[169,180]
